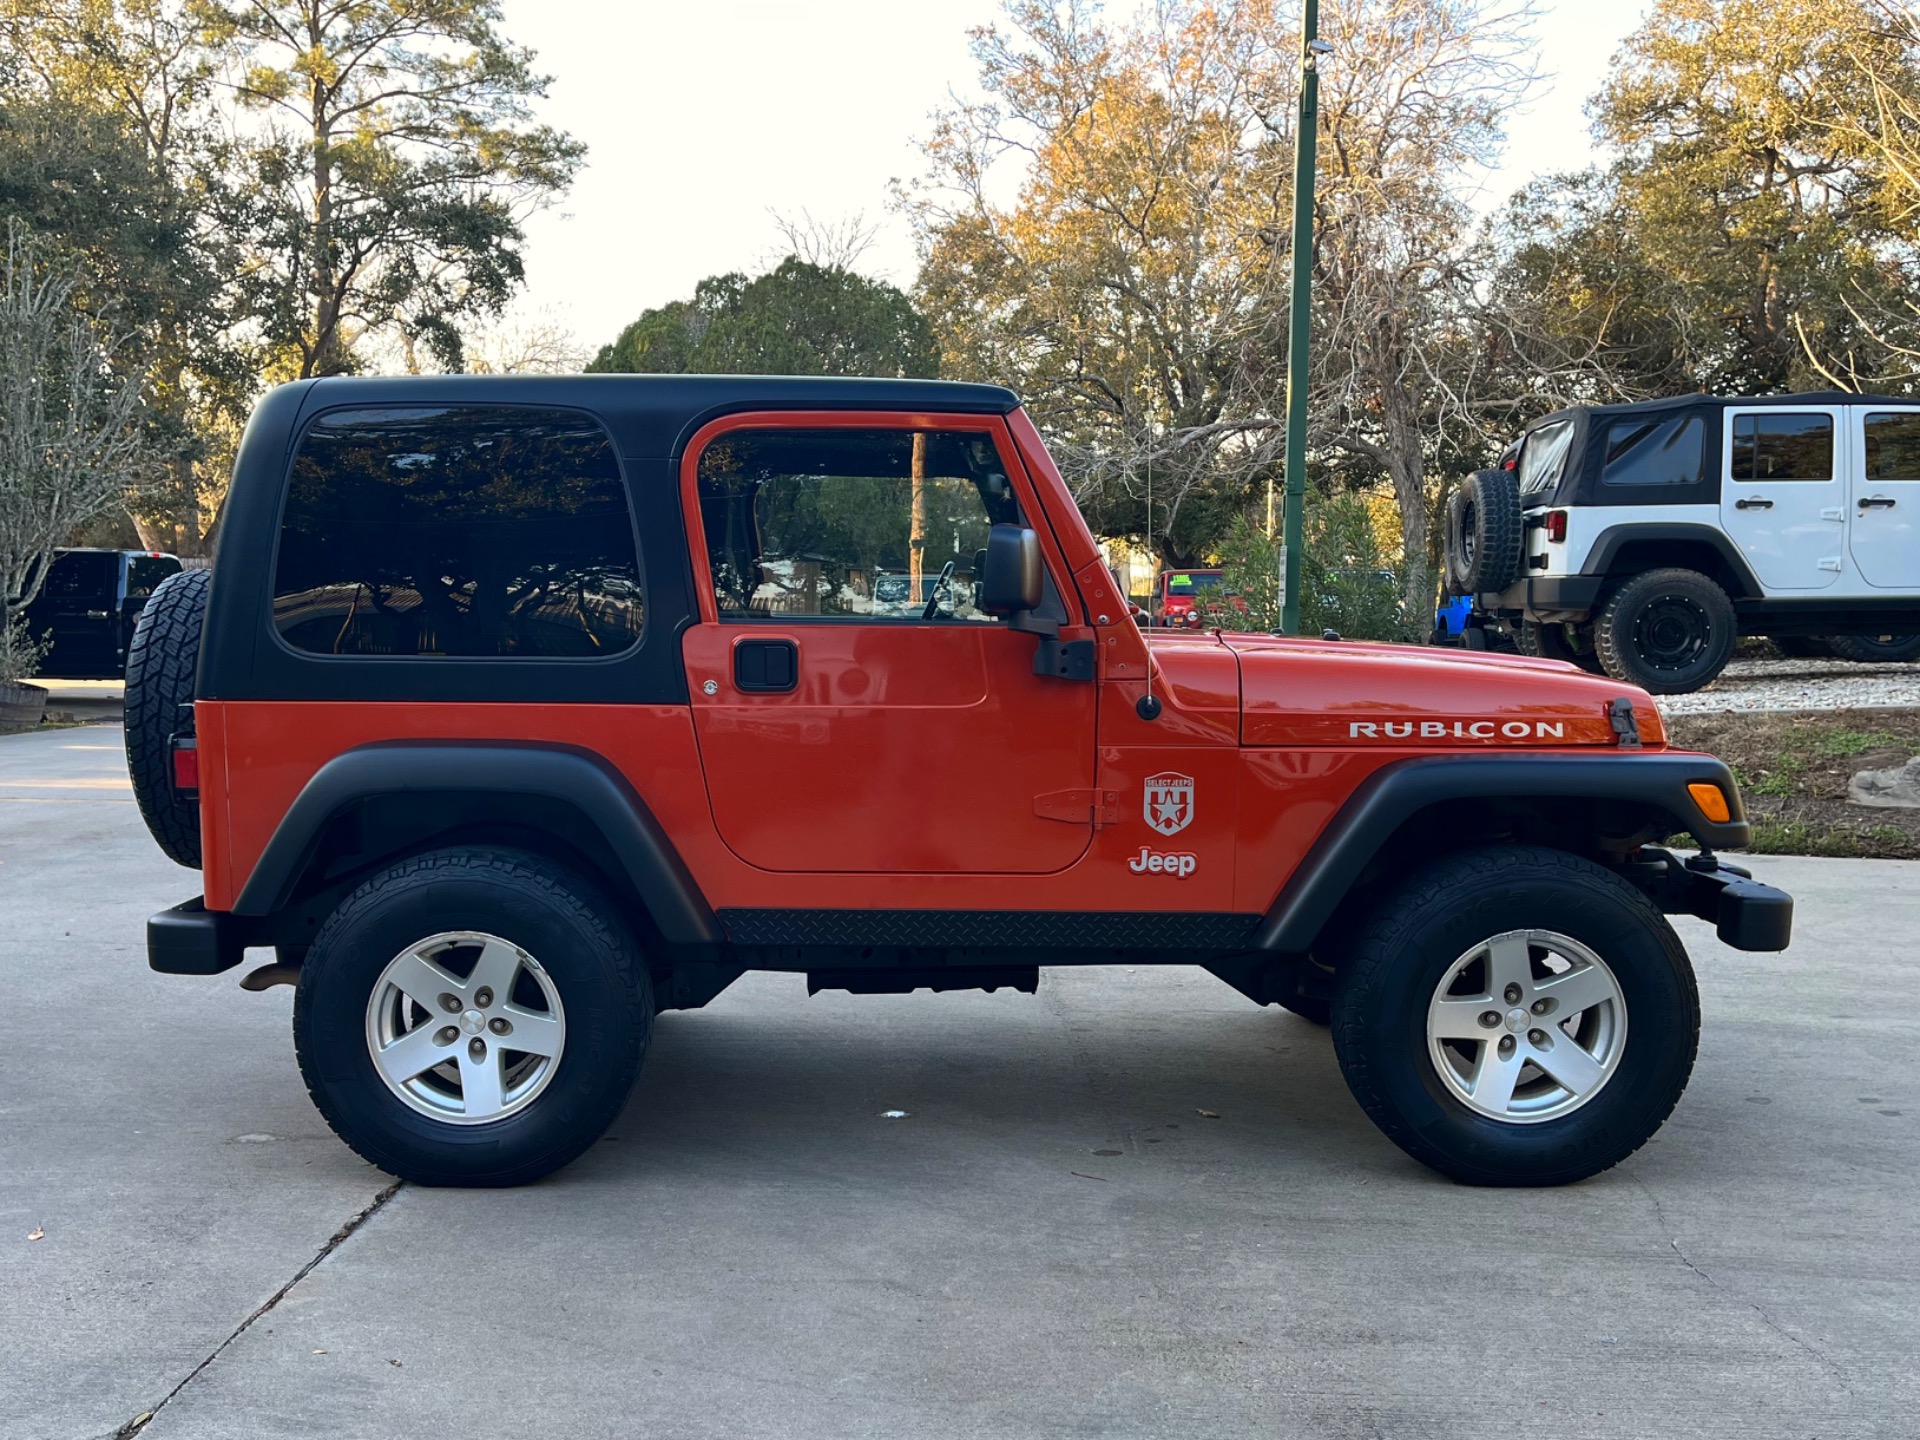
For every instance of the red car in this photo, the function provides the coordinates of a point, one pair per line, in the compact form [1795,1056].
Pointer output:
[1182,598]
[515,710]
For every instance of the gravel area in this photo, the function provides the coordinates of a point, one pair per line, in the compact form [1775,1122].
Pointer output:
[1801,685]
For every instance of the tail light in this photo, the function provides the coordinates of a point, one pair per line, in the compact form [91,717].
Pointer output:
[186,767]
[1557,526]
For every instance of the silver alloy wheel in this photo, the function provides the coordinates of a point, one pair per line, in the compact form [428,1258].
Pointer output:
[1527,1026]
[465,1027]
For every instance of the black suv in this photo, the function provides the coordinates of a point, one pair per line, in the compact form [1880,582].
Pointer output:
[86,611]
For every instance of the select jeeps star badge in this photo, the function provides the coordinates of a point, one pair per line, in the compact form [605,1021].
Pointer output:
[760,714]
[1168,802]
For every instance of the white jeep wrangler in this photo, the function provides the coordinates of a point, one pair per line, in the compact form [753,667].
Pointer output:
[1644,539]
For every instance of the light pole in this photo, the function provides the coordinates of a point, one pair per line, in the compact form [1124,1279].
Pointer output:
[1299,316]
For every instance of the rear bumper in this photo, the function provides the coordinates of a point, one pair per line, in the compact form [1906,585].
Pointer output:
[190,939]
[1745,914]
[1549,598]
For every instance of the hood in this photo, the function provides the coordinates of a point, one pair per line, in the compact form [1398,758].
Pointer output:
[1352,694]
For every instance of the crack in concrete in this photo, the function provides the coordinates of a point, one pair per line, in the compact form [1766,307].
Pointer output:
[1673,1244]
[339,1237]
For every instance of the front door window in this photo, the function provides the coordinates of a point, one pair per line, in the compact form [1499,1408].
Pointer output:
[855,710]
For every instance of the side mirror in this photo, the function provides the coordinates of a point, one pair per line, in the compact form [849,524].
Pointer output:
[1010,578]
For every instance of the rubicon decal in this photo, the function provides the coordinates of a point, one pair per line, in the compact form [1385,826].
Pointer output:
[1154,862]
[1168,802]
[1456,730]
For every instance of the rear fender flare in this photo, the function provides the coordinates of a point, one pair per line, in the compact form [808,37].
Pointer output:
[1397,792]
[571,777]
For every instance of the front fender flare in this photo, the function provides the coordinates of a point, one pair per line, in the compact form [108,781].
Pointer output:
[1397,792]
[550,772]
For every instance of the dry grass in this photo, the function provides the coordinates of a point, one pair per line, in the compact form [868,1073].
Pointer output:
[1793,769]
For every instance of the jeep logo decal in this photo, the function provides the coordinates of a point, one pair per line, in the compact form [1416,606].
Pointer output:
[1168,802]
[1455,730]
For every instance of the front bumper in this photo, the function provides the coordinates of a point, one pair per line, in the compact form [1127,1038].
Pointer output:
[190,939]
[1745,914]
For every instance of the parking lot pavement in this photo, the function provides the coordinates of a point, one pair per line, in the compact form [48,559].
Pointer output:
[1053,1239]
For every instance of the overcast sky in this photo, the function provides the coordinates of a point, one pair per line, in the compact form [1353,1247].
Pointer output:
[703,116]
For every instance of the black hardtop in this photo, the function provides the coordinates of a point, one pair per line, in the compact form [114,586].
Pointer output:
[1668,403]
[655,415]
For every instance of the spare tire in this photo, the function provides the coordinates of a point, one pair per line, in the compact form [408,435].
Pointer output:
[1484,533]
[161,662]
[1875,649]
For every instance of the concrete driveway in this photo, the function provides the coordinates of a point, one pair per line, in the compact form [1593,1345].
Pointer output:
[1054,1241]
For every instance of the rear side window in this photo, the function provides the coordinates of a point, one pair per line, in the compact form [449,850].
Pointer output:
[144,572]
[1893,445]
[1782,447]
[881,525]
[1544,456]
[1654,452]
[495,531]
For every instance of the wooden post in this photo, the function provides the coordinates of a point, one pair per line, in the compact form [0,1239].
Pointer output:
[917,531]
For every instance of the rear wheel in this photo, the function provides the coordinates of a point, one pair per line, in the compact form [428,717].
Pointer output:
[1876,649]
[1517,1016]
[1667,631]
[472,1017]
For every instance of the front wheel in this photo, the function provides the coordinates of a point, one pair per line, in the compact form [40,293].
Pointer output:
[1876,649]
[472,1017]
[1517,1016]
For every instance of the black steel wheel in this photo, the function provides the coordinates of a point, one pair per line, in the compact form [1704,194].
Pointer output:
[1668,631]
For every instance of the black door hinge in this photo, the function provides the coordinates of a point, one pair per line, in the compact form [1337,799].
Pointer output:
[1065,659]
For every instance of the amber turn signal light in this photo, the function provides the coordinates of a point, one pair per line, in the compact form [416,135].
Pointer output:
[1712,803]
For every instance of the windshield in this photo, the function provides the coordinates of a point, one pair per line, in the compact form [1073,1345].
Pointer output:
[1544,456]
[1189,582]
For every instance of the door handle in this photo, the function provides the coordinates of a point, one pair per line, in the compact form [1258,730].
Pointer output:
[1876,502]
[101,614]
[766,667]
[1753,504]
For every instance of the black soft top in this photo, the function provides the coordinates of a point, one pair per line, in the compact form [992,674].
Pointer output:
[1703,401]
[656,414]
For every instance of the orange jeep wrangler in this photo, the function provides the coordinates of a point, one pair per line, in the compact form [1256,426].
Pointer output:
[515,710]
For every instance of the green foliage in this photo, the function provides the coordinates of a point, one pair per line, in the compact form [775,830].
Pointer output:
[1346,581]
[384,189]
[798,319]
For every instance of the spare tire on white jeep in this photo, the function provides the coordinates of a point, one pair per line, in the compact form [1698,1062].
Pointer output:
[1484,533]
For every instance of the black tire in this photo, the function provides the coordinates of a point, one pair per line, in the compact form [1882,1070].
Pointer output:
[1552,642]
[1875,649]
[589,957]
[1668,631]
[161,662]
[1802,647]
[1416,935]
[1485,535]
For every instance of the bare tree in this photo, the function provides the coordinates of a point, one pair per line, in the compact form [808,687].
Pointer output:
[71,442]
[538,345]
[830,244]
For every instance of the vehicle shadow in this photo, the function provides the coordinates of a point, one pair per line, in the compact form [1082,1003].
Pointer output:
[1014,1079]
